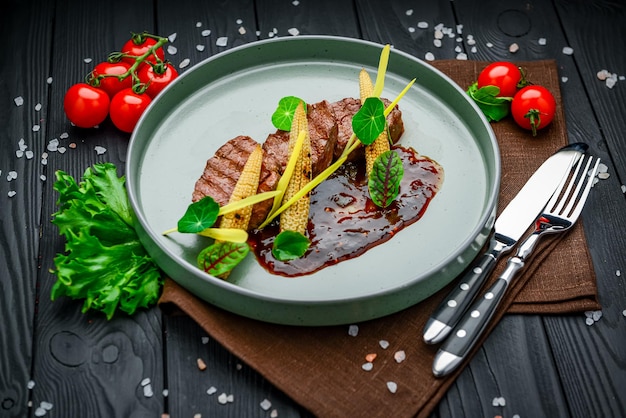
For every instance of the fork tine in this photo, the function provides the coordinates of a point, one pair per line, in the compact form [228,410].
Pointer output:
[565,196]
[558,192]
[579,184]
[583,197]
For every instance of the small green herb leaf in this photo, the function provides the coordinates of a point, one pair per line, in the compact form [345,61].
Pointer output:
[199,216]
[384,180]
[495,108]
[221,257]
[283,116]
[370,120]
[289,245]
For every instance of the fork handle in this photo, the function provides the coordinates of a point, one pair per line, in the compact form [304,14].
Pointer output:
[467,332]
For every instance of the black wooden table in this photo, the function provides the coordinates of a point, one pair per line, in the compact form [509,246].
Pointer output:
[57,361]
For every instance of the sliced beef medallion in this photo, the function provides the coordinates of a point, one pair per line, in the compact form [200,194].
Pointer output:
[346,108]
[323,135]
[223,170]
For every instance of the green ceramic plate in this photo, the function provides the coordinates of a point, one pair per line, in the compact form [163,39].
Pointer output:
[235,93]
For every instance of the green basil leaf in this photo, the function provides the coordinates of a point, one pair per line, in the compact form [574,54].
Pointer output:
[385,178]
[289,245]
[369,121]
[495,108]
[283,115]
[221,257]
[199,216]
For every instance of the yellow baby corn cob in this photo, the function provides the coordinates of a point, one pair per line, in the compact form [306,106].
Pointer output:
[296,217]
[246,185]
[381,144]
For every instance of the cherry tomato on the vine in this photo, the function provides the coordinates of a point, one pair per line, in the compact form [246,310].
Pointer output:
[131,48]
[502,74]
[86,106]
[156,82]
[126,109]
[112,84]
[533,108]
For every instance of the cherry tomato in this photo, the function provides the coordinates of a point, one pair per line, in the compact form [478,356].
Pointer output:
[126,108]
[502,74]
[533,108]
[112,84]
[132,48]
[86,106]
[155,81]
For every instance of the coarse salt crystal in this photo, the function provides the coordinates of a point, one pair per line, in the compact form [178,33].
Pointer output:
[147,391]
[295,2]
[392,386]
[184,63]
[12,175]
[38,107]
[618,273]
[212,390]
[242,30]
[293,31]
[206,32]
[568,50]
[11,193]
[40,412]
[197,416]
[46,405]
[274,413]
[422,25]
[367,366]
[429,56]
[29,155]
[64,135]
[603,75]
[61,150]
[603,176]
[438,34]
[624,312]
[145,381]
[409,12]
[353,330]
[498,401]
[172,50]
[474,50]
[513,48]
[36,128]
[611,81]
[370,357]
[30,384]
[437,42]
[399,356]
[489,45]
[411,29]
[623,188]
[201,364]
[265,404]
[19,100]
[49,80]
[205,340]
[100,150]
[384,344]
[200,48]
[19,153]
[222,41]
[589,321]
[198,24]
[88,60]
[43,177]
[172,37]
[542,41]
[564,79]
[462,56]
[222,398]
[239,21]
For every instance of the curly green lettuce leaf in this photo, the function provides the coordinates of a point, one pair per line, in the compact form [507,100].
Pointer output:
[493,106]
[104,262]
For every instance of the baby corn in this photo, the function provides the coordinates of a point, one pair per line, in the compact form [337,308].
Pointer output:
[246,186]
[296,217]
[381,144]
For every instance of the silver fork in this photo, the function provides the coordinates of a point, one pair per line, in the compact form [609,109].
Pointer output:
[560,213]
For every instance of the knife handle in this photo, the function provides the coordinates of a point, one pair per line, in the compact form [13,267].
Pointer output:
[471,326]
[450,311]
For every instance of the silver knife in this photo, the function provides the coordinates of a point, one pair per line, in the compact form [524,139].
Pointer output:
[509,227]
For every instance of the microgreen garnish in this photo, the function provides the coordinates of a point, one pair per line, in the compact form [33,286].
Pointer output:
[199,216]
[289,245]
[494,108]
[384,180]
[283,116]
[369,121]
[221,257]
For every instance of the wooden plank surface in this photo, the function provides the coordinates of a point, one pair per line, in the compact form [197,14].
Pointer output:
[87,366]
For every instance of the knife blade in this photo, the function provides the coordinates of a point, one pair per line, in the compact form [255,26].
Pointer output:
[514,220]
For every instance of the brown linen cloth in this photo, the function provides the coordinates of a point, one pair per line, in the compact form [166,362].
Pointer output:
[320,367]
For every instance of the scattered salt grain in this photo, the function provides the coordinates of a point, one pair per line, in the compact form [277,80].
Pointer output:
[12,175]
[238,366]
[197,416]
[206,32]
[409,12]
[172,50]
[367,366]
[411,29]
[353,330]
[36,128]
[399,356]
[40,412]
[458,49]
[293,31]
[474,50]
[184,63]
[29,155]
[49,80]
[242,30]
[618,273]
[438,34]
[611,81]
[211,391]
[498,401]
[205,340]
[30,384]
[295,2]
[11,193]
[198,24]
[437,42]
[61,150]
[239,21]
[145,381]
[513,48]
[392,386]
[564,79]
[384,344]
[38,107]
[265,404]
[147,391]
[165,392]
[19,153]
[87,60]
[64,135]
[200,48]
[592,317]
[429,56]
[568,50]
[222,41]
[53,145]
[624,312]
[603,74]
[19,100]
[623,188]
[489,45]
[100,150]
[471,40]
[370,357]
[201,364]
[422,25]
[172,37]
[274,413]
[43,177]
[222,398]
[46,405]
[542,41]
[72,145]
[462,56]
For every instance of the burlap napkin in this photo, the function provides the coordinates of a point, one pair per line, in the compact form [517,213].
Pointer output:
[321,367]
